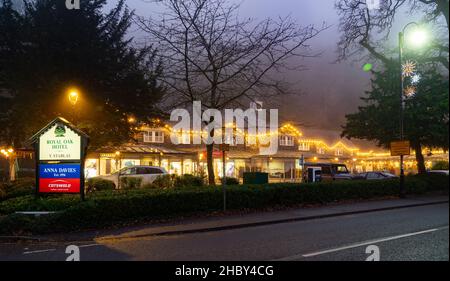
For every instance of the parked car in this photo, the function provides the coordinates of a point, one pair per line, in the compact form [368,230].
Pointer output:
[331,171]
[440,172]
[375,176]
[147,173]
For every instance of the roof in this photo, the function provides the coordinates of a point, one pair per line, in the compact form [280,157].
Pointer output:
[330,137]
[53,122]
[140,148]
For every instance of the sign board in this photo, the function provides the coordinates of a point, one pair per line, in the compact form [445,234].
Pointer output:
[59,143]
[399,148]
[60,152]
[59,178]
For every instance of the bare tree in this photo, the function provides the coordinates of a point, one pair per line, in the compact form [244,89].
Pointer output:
[368,29]
[212,55]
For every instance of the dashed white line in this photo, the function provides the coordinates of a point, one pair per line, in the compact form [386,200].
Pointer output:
[351,246]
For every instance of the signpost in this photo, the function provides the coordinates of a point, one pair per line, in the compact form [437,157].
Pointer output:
[400,148]
[60,152]
[224,147]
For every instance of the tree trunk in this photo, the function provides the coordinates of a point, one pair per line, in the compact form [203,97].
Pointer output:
[12,168]
[419,158]
[209,161]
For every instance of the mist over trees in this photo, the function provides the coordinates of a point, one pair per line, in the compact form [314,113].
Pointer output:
[45,49]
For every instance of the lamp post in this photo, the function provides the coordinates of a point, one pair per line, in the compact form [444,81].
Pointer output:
[73,96]
[418,39]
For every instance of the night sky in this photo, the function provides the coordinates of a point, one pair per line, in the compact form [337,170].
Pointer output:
[327,91]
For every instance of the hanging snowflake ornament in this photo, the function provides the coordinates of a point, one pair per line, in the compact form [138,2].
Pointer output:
[410,91]
[408,68]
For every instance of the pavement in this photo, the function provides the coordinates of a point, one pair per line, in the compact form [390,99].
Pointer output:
[402,229]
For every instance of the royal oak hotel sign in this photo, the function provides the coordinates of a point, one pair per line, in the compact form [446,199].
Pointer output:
[60,152]
[60,143]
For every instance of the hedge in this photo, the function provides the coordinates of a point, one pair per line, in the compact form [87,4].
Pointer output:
[20,187]
[110,207]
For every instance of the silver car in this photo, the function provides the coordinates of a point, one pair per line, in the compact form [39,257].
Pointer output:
[147,173]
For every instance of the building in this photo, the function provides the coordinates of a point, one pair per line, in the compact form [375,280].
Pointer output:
[154,146]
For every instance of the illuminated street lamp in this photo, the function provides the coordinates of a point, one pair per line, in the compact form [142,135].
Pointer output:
[416,39]
[73,96]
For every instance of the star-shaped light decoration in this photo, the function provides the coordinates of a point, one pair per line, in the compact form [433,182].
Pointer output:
[415,78]
[408,68]
[410,91]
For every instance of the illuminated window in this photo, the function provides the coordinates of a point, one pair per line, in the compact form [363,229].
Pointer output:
[154,136]
[339,151]
[287,140]
[304,146]
[184,138]
[321,150]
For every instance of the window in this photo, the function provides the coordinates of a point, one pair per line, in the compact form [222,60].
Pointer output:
[148,171]
[304,146]
[287,141]
[339,152]
[184,138]
[154,136]
[326,171]
[321,150]
[128,171]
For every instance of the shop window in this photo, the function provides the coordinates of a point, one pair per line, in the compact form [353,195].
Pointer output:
[339,152]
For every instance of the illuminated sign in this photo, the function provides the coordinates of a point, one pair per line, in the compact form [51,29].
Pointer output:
[60,154]
[59,143]
[59,178]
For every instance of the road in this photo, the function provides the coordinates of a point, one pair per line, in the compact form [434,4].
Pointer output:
[417,233]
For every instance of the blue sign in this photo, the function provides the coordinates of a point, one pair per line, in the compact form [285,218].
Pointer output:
[57,171]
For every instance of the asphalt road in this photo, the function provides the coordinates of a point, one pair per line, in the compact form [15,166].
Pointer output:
[416,234]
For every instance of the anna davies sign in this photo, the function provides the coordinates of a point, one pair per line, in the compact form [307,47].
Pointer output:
[59,143]
[59,178]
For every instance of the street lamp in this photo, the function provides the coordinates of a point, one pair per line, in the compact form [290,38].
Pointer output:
[73,96]
[416,39]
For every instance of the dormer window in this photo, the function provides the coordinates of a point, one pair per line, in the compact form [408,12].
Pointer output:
[287,140]
[304,146]
[153,136]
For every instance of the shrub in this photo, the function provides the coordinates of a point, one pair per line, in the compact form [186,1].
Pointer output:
[188,180]
[99,184]
[440,165]
[130,182]
[20,187]
[106,208]
[230,181]
[163,182]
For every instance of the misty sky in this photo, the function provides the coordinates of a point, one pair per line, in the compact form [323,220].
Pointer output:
[329,90]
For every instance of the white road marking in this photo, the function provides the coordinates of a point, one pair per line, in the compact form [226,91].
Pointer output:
[52,250]
[351,246]
[38,251]
[89,245]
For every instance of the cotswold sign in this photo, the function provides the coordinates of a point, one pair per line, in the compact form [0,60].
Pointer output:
[60,152]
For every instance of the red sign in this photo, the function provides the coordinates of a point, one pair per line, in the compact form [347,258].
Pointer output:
[59,185]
